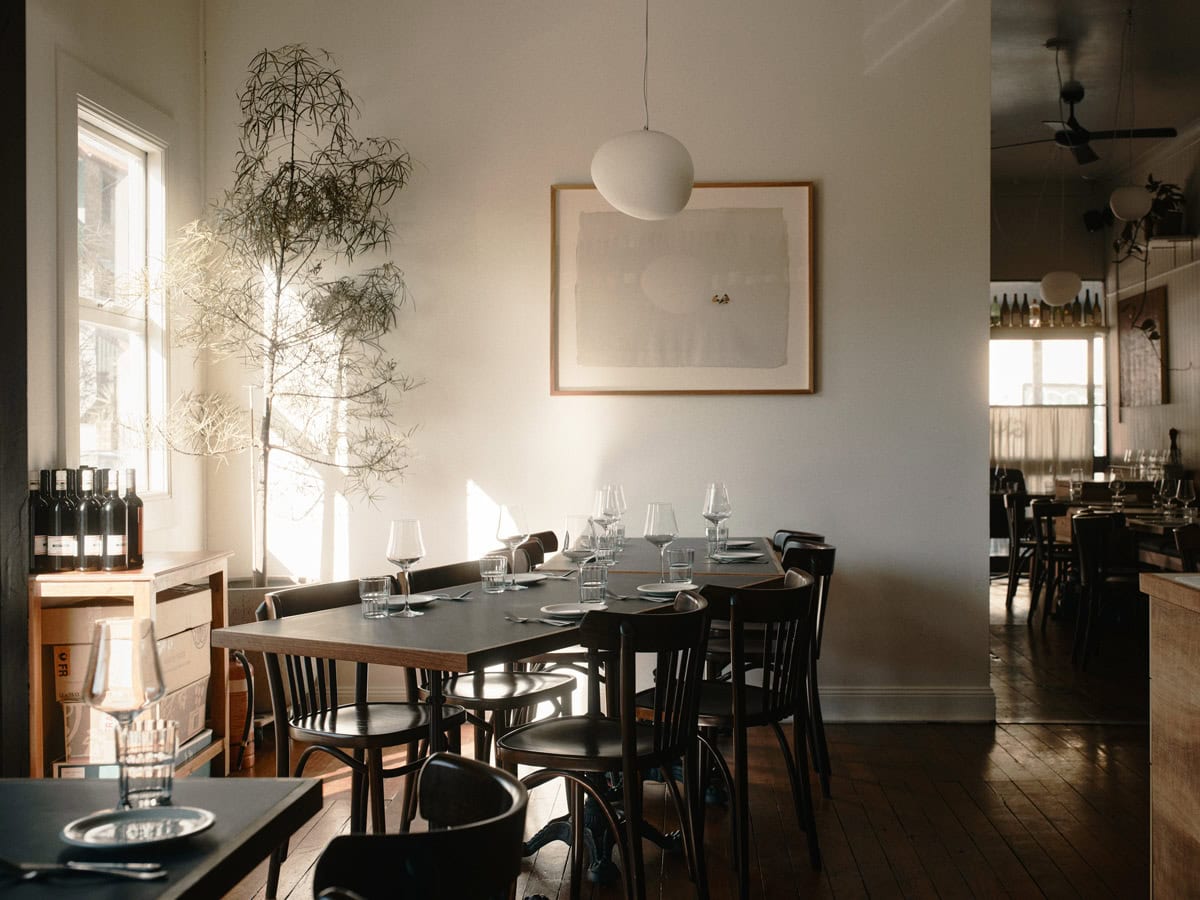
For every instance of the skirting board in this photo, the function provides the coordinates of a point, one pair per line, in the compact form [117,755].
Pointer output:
[850,704]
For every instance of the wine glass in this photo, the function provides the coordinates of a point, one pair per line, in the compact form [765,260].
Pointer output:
[1185,493]
[716,503]
[579,540]
[124,674]
[1166,491]
[660,530]
[512,531]
[618,502]
[1117,487]
[405,547]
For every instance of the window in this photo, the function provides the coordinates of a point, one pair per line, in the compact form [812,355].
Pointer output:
[112,218]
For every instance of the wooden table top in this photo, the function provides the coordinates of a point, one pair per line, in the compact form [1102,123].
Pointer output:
[641,557]
[253,815]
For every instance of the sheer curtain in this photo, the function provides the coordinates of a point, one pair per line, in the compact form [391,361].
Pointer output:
[1040,440]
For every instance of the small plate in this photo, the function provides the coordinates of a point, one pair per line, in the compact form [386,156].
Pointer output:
[729,555]
[137,827]
[414,600]
[738,545]
[672,588]
[571,610]
[529,578]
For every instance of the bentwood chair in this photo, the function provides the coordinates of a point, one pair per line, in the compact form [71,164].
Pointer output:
[476,817]
[495,700]
[772,626]
[582,749]
[1051,557]
[1020,541]
[1187,542]
[355,733]
[1107,574]
[788,534]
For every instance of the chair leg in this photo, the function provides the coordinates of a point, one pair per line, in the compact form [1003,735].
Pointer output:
[575,792]
[375,789]
[1014,568]
[801,789]
[693,786]
[1036,581]
[816,727]
[1051,591]
[273,872]
[483,744]
[635,865]
[412,752]
[741,801]
[358,797]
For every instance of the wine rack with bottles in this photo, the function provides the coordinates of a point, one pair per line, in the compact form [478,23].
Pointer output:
[80,522]
[1025,312]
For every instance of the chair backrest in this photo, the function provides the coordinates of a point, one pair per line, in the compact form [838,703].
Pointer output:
[311,683]
[1007,481]
[784,534]
[817,560]
[677,637]
[1187,542]
[1043,513]
[435,577]
[1094,544]
[1014,506]
[782,616]
[476,815]
[548,540]
[534,554]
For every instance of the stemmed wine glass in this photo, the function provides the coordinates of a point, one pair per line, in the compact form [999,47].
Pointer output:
[1117,487]
[716,508]
[405,547]
[124,674]
[660,530]
[1185,493]
[512,531]
[618,501]
[1166,490]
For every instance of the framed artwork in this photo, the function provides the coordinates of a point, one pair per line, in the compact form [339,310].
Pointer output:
[1142,349]
[716,300]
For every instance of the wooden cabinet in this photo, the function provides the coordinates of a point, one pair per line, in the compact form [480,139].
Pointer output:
[140,587]
[1174,733]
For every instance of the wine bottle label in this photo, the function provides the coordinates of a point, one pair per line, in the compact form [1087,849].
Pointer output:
[115,545]
[39,545]
[60,480]
[62,545]
[85,479]
[93,544]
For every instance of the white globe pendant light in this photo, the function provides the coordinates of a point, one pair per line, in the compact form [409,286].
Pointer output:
[1130,203]
[646,174]
[1059,288]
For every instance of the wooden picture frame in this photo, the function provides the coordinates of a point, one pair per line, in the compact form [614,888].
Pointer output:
[1142,349]
[716,300]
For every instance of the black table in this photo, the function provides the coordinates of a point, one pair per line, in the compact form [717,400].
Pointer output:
[253,816]
[641,557]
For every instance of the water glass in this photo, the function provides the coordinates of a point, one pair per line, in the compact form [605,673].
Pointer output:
[1076,484]
[146,757]
[679,564]
[605,547]
[716,538]
[491,573]
[617,530]
[375,592]
[593,582]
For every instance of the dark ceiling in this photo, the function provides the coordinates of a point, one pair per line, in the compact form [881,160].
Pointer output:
[1164,57]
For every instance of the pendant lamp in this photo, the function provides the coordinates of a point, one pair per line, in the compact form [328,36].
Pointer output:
[645,174]
[1060,286]
[1129,202]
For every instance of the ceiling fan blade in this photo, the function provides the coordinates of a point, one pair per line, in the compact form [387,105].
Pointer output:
[1124,133]
[1023,144]
[1056,125]
[1083,153]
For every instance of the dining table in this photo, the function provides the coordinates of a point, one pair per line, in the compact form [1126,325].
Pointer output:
[251,817]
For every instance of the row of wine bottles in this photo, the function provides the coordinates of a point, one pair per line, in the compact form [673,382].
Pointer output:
[1036,314]
[78,521]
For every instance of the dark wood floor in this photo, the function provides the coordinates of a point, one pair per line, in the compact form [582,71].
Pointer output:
[1023,808]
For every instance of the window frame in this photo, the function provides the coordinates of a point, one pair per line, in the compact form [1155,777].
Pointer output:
[84,95]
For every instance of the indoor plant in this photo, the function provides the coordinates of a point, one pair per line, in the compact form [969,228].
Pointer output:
[263,278]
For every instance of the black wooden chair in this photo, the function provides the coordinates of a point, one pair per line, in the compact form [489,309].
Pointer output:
[308,709]
[1187,542]
[472,849]
[1106,558]
[1007,481]
[1051,557]
[772,626]
[788,534]
[1020,541]
[495,700]
[623,742]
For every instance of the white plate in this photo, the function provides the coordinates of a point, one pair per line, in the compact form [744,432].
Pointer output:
[736,545]
[728,555]
[571,610]
[414,600]
[672,588]
[529,578]
[135,827]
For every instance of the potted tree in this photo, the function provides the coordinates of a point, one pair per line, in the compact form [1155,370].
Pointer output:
[265,278]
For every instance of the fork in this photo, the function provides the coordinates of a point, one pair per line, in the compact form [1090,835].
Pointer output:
[521,620]
[563,575]
[466,593]
[134,871]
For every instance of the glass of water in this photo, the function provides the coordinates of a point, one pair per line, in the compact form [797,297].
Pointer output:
[146,756]
[679,564]
[593,582]
[375,593]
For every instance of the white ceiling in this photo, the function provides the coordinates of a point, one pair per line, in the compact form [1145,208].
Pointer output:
[1165,60]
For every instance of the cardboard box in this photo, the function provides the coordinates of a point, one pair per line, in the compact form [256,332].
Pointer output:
[177,609]
[80,768]
[184,658]
[90,734]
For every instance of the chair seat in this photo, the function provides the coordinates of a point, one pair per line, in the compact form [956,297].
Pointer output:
[716,705]
[500,689]
[371,724]
[578,743]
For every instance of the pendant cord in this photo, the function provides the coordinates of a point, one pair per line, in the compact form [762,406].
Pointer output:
[646,69]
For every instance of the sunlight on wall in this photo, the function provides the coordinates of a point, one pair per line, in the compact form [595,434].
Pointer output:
[296,516]
[482,514]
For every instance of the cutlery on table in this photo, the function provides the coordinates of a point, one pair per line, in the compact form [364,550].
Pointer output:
[134,871]
[521,620]
[561,575]
[461,596]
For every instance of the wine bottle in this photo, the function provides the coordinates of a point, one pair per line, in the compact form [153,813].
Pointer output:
[1098,310]
[1077,312]
[91,538]
[995,312]
[1005,314]
[1025,312]
[1035,313]
[39,521]
[62,544]
[113,525]
[134,521]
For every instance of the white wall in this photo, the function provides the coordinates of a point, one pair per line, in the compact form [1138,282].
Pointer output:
[496,101]
[157,58]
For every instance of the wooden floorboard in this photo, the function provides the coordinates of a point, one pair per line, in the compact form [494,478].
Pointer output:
[1050,801]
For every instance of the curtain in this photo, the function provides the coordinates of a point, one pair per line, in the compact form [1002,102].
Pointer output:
[1041,440]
